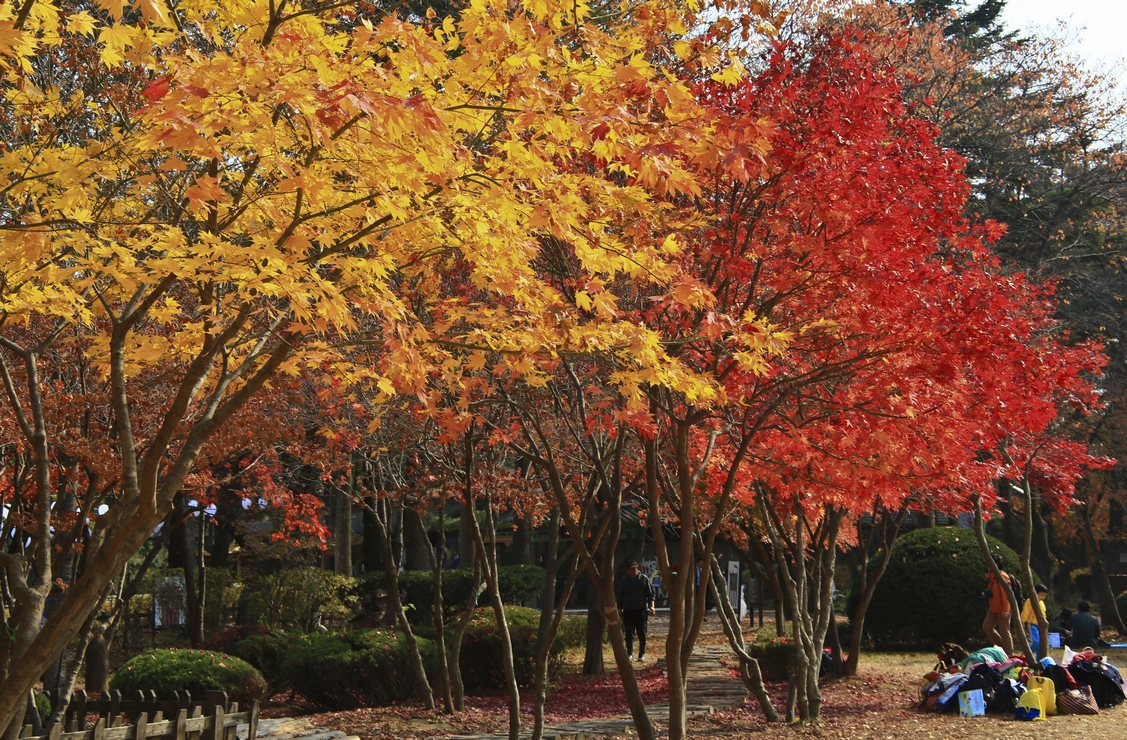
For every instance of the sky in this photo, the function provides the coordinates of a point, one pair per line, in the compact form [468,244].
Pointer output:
[1103,39]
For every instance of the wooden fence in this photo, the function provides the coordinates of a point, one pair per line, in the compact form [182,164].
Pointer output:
[214,718]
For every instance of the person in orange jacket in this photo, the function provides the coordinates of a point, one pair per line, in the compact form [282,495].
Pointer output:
[997,622]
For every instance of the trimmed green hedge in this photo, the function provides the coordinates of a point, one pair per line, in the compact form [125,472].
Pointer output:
[931,591]
[263,648]
[517,583]
[481,647]
[166,670]
[776,658]
[368,668]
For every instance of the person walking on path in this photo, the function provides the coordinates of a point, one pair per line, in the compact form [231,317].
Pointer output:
[997,622]
[635,597]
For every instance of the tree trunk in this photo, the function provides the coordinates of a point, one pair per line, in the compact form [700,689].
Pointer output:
[457,690]
[1015,608]
[890,529]
[551,615]
[1027,574]
[467,551]
[383,515]
[437,616]
[417,551]
[596,628]
[807,580]
[372,562]
[342,532]
[98,665]
[184,536]
[750,674]
[521,552]
[1109,610]
[488,559]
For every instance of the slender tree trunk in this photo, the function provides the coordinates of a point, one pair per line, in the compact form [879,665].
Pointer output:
[439,628]
[188,550]
[383,515]
[596,628]
[74,665]
[457,690]
[342,531]
[551,615]
[806,561]
[750,674]
[1109,609]
[521,553]
[372,562]
[984,547]
[467,551]
[1027,574]
[488,558]
[605,483]
[98,664]
[891,529]
[417,551]
[201,560]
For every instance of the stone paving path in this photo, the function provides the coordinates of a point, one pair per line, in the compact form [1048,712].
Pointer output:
[292,728]
[711,687]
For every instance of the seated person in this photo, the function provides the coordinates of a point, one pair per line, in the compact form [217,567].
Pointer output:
[1059,623]
[1085,629]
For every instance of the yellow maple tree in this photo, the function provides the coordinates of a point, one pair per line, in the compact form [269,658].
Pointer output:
[223,191]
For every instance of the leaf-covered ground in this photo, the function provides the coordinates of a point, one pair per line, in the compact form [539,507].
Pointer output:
[878,704]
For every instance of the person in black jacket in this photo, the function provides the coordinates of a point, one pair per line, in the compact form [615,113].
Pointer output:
[1085,629]
[635,597]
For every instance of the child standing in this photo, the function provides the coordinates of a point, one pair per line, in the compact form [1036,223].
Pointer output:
[1029,619]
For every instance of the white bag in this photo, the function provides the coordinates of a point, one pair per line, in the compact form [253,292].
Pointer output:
[1069,654]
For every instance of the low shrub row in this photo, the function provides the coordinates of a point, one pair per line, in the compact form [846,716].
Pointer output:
[341,671]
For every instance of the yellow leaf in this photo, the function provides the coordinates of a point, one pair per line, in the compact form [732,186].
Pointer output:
[153,11]
[731,74]
[113,7]
[81,23]
[115,40]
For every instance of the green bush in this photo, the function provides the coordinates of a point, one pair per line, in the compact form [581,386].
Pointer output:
[572,633]
[296,598]
[776,658]
[517,583]
[262,647]
[224,592]
[481,647]
[931,591]
[167,670]
[43,706]
[366,668]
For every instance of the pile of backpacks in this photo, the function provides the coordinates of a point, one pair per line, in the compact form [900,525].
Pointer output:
[990,681]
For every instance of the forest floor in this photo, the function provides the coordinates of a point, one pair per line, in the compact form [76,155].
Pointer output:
[877,704]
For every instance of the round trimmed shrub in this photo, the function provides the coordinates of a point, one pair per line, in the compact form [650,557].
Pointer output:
[366,668]
[481,647]
[931,591]
[263,648]
[165,670]
[776,658]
